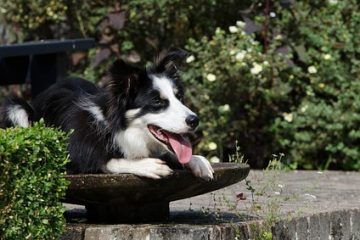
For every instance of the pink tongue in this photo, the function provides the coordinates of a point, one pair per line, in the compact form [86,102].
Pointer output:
[181,147]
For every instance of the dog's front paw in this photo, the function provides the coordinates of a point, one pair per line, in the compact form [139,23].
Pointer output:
[152,168]
[200,167]
[146,167]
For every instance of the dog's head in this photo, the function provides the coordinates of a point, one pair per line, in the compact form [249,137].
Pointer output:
[152,99]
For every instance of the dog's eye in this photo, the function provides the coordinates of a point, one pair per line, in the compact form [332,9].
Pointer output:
[158,101]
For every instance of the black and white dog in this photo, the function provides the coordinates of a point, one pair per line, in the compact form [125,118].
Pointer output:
[126,128]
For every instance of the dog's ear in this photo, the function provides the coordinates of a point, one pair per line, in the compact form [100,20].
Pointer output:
[168,62]
[124,78]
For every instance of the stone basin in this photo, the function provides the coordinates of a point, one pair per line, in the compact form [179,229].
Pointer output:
[126,198]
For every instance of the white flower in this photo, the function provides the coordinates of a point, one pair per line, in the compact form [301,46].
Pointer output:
[277,193]
[256,69]
[233,29]
[240,55]
[212,146]
[309,92]
[266,63]
[288,117]
[333,2]
[312,70]
[304,108]
[240,24]
[280,186]
[278,37]
[225,108]
[327,56]
[211,77]
[254,43]
[190,59]
[214,159]
[272,14]
[232,52]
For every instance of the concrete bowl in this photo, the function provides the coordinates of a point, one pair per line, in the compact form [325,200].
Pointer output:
[118,198]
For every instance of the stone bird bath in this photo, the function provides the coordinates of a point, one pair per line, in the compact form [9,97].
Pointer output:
[126,198]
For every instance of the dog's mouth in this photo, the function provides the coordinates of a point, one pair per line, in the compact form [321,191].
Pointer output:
[177,143]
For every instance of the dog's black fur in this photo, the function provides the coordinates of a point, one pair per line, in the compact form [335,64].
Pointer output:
[91,144]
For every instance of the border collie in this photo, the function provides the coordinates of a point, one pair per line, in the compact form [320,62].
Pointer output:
[127,127]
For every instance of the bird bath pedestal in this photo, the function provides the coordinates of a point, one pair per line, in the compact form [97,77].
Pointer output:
[126,198]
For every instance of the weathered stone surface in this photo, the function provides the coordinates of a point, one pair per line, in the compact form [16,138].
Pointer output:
[180,233]
[74,232]
[325,225]
[119,198]
[340,225]
[123,188]
[314,226]
[333,190]
[316,201]
[120,232]
[284,230]
[355,224]
[302,228]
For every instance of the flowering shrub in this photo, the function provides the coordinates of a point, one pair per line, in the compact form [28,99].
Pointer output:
[290,86]
[322,131]
[295,90]
[134,30]
[236,89]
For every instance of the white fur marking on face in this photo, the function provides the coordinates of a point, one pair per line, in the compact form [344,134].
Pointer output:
[130,114]
[18,116]
[136,141]
[165,86]
[133,142]
[173,117]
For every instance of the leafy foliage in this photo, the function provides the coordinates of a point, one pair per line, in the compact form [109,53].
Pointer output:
[32,182]
[303,103]
[241,89]
[322,130]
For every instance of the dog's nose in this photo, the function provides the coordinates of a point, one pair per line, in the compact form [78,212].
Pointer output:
[192,121]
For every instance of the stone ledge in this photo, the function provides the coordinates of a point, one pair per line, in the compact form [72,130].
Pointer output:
[312,205]
[340,224]
[335,225]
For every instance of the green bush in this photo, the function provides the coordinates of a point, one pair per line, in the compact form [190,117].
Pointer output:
[155,25]
[305,103]
[322,130]
[138,29]
[32,170]
[237,90]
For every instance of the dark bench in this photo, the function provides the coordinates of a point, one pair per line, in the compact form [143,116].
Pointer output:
[38,63]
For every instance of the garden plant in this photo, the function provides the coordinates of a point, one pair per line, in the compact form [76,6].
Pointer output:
[278,76]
